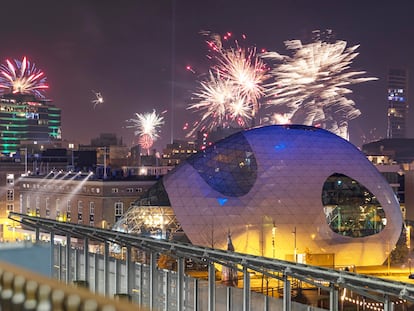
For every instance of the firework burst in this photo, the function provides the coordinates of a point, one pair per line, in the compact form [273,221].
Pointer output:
[22,77]
[98,99]
[230,95]
[312,84]
[147,127]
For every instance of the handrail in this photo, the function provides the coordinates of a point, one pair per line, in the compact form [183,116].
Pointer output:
[322,277]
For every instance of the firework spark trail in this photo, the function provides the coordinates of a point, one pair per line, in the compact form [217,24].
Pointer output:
[98,99]
[147,126]
[312,85]
[231,93]
[22,77]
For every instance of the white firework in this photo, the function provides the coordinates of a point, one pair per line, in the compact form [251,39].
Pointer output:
[313,83]
[147,124]
[98,99]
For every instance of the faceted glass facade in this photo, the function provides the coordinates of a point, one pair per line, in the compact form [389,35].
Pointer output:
[268,187]
[228,167]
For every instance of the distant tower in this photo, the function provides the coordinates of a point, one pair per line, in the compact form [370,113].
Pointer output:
[397,103]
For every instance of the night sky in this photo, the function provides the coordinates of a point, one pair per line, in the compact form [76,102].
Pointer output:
[126,49]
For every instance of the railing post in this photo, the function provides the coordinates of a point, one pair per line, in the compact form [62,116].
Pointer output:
[141,282]
[117,276]
[86,258]
[166,286]
[68,261]
[211,287]
[388,304]
[128,270]
[152,283]
[60,261]
[228,298]
[52,254]
[333,298]
[287,301]
[106,268]
[266,302]
[96,272]
[196,294]
[76,264]
[180,283]
[246,289]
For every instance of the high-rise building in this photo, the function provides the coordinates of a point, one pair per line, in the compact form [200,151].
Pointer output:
[25,117]
[397,103]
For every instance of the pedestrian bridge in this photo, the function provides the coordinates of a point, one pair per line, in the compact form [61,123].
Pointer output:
[85,256]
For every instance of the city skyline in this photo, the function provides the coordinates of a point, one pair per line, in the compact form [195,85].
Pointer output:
[125,53]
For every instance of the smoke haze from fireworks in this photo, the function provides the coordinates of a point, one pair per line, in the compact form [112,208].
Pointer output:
[22,77]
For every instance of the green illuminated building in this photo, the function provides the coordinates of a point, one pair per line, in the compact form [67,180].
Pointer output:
[25,117]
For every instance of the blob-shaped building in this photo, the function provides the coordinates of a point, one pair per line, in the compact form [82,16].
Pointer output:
[284,192]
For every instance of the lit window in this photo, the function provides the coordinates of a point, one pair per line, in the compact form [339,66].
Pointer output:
[80,206]
[80,212]
[119,210]
[10,179]
[91,208]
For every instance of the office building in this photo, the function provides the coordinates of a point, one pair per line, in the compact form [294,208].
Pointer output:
[177,152]
[24,117]
[397,103]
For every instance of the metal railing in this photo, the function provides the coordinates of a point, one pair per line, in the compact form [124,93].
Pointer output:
[146,280]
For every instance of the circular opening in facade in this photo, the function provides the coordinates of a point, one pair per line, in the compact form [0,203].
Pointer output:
[350,208]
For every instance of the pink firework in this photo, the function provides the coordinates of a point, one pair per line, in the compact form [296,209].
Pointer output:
[231,93]
[22,77]
[145,141]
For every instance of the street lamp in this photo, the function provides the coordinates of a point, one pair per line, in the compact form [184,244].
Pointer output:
[294,244]
[273,238]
